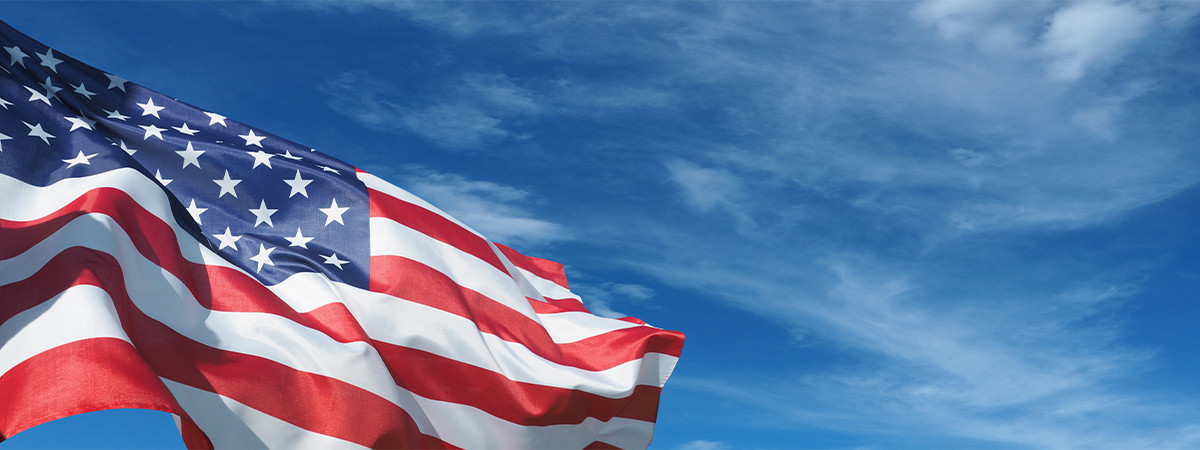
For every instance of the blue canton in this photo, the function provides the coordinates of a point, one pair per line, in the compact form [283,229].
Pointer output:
[268,205]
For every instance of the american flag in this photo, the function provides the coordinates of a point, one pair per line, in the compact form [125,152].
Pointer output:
[161,256]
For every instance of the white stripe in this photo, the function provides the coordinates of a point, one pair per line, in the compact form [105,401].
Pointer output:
[23,202]
[572,326]
[229,423]
[472,428]
[547,288]
[81,312]
[514,273]
[389,237]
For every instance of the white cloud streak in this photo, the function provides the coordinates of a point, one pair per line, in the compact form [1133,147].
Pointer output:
[1090,33]
[478,111]
[470,116]
[705,188]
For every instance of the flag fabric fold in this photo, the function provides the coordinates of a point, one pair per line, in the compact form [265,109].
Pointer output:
[157,255]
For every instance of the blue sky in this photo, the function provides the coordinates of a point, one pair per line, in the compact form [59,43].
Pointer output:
[936,224]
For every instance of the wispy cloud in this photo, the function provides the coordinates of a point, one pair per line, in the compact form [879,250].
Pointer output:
[576,96]
[469,116]
[707,188]
[953,18]
[701,444]
[456,126]
[1039,372]
[478,111]
[1087,34]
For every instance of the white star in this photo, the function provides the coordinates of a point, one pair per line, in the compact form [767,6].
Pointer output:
[4,103]
[333,213]
[261,157]
[115,82]
[299,185]
[3,137]
[51,89]
[80,122]
[36,130]
[227,185]
[195,212]
[80,159]
[263,214]
[263,257]
[214,118]
[333,260]
[82,90]
[152,130]
[35,95]
[299,240]
[128,150]
[161,180]
[190,156]
[114,114]
[185,130]
[329,169]
[251,139]
[150,109]
[288,154]
[227,239]
[18,56]
[49,60]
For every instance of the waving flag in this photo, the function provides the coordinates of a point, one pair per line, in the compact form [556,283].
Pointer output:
[157,255]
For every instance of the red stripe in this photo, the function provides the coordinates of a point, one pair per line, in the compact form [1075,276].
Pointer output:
[531,404]
[558,305]
[644,338]
[433,225]
[412,281]
[345,411]
[79,377]
[193,437]
[544,268]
